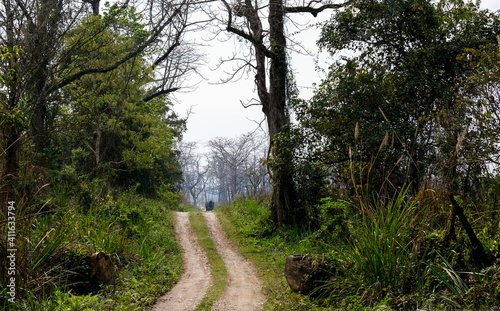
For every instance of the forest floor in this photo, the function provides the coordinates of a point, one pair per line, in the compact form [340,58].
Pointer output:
[243,290]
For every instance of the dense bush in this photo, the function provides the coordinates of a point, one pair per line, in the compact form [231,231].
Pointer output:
[390,254]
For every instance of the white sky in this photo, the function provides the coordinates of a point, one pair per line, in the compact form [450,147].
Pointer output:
[217,111]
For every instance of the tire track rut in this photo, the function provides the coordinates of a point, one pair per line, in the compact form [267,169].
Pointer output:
[195,280]
[243,287]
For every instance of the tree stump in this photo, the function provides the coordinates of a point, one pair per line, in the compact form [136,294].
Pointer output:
[305,275]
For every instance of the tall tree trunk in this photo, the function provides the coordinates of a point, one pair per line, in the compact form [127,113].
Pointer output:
[283,193]
[95,6]
[10,168]
[274,100]
[9,135]
[43,32]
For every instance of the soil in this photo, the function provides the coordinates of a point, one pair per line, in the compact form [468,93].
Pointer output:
[243,287]
[195,280]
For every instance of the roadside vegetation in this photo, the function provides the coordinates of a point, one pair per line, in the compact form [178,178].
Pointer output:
[382,257]
[136,233]
[388,177]
[88,159]
[395,165]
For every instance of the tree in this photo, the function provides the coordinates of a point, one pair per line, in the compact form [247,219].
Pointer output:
[13,122]
[272,79]
[232,166]
[40,27]
[193,172]
[230,162]
[481,91]
[108,116]
[256,173]
[392,111]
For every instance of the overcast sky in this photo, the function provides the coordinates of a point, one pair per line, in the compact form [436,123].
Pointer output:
[217,109]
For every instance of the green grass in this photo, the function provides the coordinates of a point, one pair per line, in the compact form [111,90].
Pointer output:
[246,222]
[387,260]
[217,268]
[135,232]
[381,244]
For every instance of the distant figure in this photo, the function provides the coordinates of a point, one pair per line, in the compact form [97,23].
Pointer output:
[209,205]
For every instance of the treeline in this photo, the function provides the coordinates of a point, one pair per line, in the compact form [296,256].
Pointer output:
[228,168]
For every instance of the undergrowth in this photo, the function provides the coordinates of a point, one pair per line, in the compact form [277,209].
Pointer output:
[388,256]
[135,232]
[247,224]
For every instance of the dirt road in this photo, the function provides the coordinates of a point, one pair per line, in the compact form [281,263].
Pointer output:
[195,280]
[243,288]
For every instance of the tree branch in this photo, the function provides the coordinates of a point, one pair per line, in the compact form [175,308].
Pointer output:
[170,48]
[478,253]
[160,93]
[129,56]
[313,11]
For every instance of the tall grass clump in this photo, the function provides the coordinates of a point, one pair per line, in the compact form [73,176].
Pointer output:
[379,256]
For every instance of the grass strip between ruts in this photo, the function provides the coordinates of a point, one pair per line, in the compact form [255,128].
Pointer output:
[217,268]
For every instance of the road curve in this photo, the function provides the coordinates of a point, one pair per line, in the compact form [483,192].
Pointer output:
[195,280]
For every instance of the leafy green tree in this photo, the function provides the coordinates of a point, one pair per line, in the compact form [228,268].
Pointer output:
[40,28]
[390,112]
[119,133]
[481,91]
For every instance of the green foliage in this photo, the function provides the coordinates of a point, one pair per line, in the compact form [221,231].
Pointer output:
[449,277]
[10,115]
[107,128]
[135,232]
[332,219]
[246,222]
[380,246]
[126,21]
[391,259]
[394,111]
[253,216]
[90,141]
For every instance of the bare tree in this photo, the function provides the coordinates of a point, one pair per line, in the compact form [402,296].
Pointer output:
[219,172]
[268,58]
[194,174]
[236,165]
[232,154]
[256,173]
